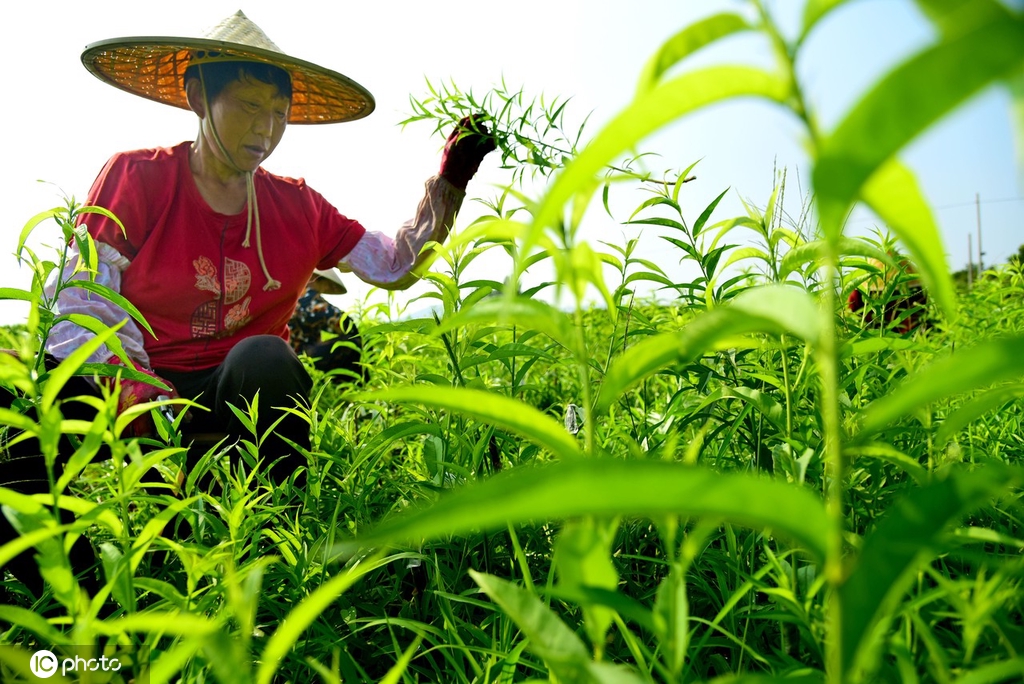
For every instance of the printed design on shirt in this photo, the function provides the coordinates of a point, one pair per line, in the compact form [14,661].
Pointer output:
[237,279]
[204,320]
[206,275]
[231,302]
[238,315]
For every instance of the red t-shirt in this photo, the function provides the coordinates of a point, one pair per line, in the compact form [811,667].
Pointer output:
[190,276]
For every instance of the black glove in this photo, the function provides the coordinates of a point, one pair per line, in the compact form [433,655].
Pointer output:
[467,145]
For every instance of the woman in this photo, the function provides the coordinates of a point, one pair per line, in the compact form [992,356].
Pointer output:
[215,250]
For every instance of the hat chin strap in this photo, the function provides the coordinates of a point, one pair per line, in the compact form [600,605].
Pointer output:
[252,206]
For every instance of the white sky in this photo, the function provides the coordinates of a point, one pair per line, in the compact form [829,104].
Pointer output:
[62,124]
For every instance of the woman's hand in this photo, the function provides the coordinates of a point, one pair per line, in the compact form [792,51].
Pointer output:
[467,145]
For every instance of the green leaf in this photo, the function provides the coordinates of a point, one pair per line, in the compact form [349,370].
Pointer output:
[688,41]
[903,104]
[745,253]
[912,533]
[586,267]
[975,408]
[814,11]
[816,251]
[958,16]
[33,222]
[119,579]
[549,637]
[494,409]
[112,296]
[807,678]
[85,452]
[98,327]
[19,660]
[672,618]
[303,615]
[706,214]
[15,293]
[523,312]
[646,114]
[995,673]
[394,675]
[59,376]
[153,529]
[987,363]
[893,194]
[93,209]
[607,487]
[771,309]
[35,623]
[562,651]
[763,402]
[1016,87]
[889,454]
[582,558]
[179,623]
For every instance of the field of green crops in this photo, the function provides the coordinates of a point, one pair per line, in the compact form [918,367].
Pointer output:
[736,479]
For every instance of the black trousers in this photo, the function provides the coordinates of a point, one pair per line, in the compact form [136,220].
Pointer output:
[265,364]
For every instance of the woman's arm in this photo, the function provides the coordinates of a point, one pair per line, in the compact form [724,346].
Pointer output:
[394,263]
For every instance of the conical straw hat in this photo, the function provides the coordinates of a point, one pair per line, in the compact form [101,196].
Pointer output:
[154,67]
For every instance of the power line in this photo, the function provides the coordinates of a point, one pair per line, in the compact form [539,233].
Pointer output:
[869,219]
[968,204]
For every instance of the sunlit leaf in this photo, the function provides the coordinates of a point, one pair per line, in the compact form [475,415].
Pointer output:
[15,293]
[893,193]
[672,618]
[493,409]
[1016,87]
[394,675]
[814,11]
[116,571]
[903,104]
[815,251]
[607,487]
[995,673]
[552,640]
[93,209]
[112,296]
[959,16]
[646,114]
[698,35]
[33,222]
[19,660]
[35,623]
[889,454]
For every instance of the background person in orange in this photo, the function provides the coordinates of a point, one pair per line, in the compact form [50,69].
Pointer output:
[891,298]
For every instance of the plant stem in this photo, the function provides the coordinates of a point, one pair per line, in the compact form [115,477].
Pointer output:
[835,474]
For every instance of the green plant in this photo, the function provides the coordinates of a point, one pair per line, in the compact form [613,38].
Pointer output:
[855,162]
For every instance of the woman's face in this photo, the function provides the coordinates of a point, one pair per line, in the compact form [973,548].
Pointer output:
[250,117]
